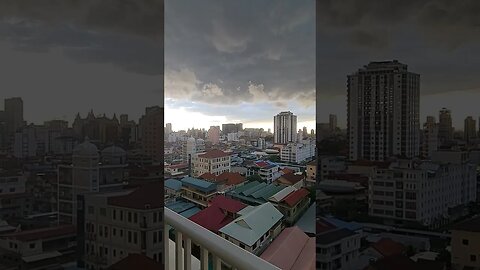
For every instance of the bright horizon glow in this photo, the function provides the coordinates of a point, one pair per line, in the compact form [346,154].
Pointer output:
[181,119]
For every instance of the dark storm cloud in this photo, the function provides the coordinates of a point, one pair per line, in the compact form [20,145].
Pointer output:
[124,33]
[228,52]
[438,39]
[133,17]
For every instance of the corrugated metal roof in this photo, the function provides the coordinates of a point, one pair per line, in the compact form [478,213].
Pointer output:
[281,194]
[199,184]
[245,187]
[253,189]
[173,184]
[250,227]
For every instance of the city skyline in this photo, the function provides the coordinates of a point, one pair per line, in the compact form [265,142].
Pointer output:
[442,51]
[238,63]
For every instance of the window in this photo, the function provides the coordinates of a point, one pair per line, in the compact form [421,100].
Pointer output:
[242,245]
[473,258]
[135,237]
[114,214]
[135,217]
[465,242]
[129,236]
[129,216]
[154,237]
[114,231]
[155,217]
[121,215]
[32,245]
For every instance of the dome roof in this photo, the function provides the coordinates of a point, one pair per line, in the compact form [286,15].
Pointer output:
[113,150]
[86,149]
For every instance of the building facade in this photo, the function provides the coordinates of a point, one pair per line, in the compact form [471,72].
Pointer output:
[284,128]
[383,111]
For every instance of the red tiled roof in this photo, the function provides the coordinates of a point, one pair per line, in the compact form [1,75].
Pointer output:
[262,164]
[227,204]
[212,218]
[44,233]
[231,178]
[291,250]
[292,178]
[295,197]
[209,177]
[324,226]
[137,261]
[178,166]
[287,171]
[147,195]
[214,154]
[388,247]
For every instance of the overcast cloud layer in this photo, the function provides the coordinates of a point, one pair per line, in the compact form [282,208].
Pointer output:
[439,39]
[67,56]
[240,60]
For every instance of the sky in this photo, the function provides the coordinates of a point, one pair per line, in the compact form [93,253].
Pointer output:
[438,39]
[69,56]
[239,61]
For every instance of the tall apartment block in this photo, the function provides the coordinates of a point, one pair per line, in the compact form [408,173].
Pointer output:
[152,133]
[285,128]
[445,128]
[383,111]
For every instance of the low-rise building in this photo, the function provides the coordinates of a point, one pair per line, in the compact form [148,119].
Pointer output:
[293,205]
[422,191]
[291,250]
[256,227]
[311,172]
[198,191]
[337,248]
[44,248]
[220,212]
[15,202]
[121,223]
[267,170]
[298,152]
[296,180]
[466,244]
[214,162]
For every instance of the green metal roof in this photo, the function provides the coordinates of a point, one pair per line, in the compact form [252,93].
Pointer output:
[253,189]
[251,226]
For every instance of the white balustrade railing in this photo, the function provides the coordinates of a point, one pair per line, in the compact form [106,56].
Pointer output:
[221,250]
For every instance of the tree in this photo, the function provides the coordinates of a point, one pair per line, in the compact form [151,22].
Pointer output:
[254,177]
[274,158]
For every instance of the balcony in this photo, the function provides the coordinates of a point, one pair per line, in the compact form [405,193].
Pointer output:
[224,254]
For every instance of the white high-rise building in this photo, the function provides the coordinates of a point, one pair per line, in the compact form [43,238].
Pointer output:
[423,191]
[383,112]
[298,152]
[285,128]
